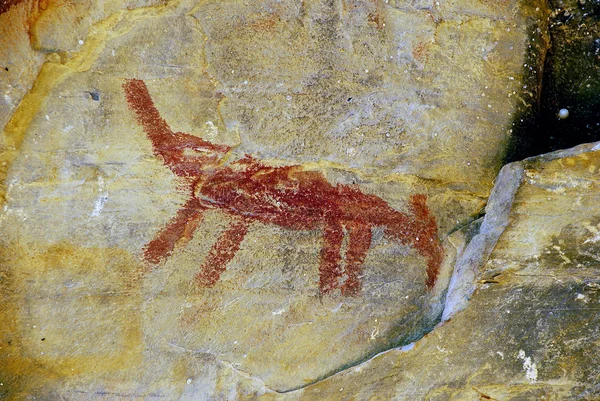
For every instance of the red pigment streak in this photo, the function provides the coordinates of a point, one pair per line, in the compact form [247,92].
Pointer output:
[421,52]
[266,24]
[377,15]
[5,5]
[289,197]
[221,253]
[179,229]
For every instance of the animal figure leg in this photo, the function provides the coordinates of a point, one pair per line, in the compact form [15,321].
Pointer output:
[181,227]
[359,244]
[426,239]
[329,270]
[221,253]
[419,230]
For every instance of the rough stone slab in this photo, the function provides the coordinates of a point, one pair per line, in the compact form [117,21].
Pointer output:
[470,261]
[398,104]
[530,329]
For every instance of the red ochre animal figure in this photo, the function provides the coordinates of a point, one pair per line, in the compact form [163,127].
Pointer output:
[290,197]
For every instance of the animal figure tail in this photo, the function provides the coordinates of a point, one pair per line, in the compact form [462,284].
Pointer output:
[419,230]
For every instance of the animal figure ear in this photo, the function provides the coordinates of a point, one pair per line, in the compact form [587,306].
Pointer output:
[194,146]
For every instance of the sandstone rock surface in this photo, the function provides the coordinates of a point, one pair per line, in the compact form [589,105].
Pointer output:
[344,142]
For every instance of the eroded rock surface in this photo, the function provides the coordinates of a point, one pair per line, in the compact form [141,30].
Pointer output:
[316,155]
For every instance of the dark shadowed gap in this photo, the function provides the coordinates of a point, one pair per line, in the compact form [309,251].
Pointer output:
[571,81]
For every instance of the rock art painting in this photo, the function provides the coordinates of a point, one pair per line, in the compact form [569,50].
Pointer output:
[291,197]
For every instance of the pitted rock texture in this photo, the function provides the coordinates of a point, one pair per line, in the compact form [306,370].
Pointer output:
[408,106]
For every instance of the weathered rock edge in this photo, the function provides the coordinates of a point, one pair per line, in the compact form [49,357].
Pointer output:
[468,268]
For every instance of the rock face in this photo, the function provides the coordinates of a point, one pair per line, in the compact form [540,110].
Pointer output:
[219,200]
[536,333]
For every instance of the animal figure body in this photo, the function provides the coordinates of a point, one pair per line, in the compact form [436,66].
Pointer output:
[289,197]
